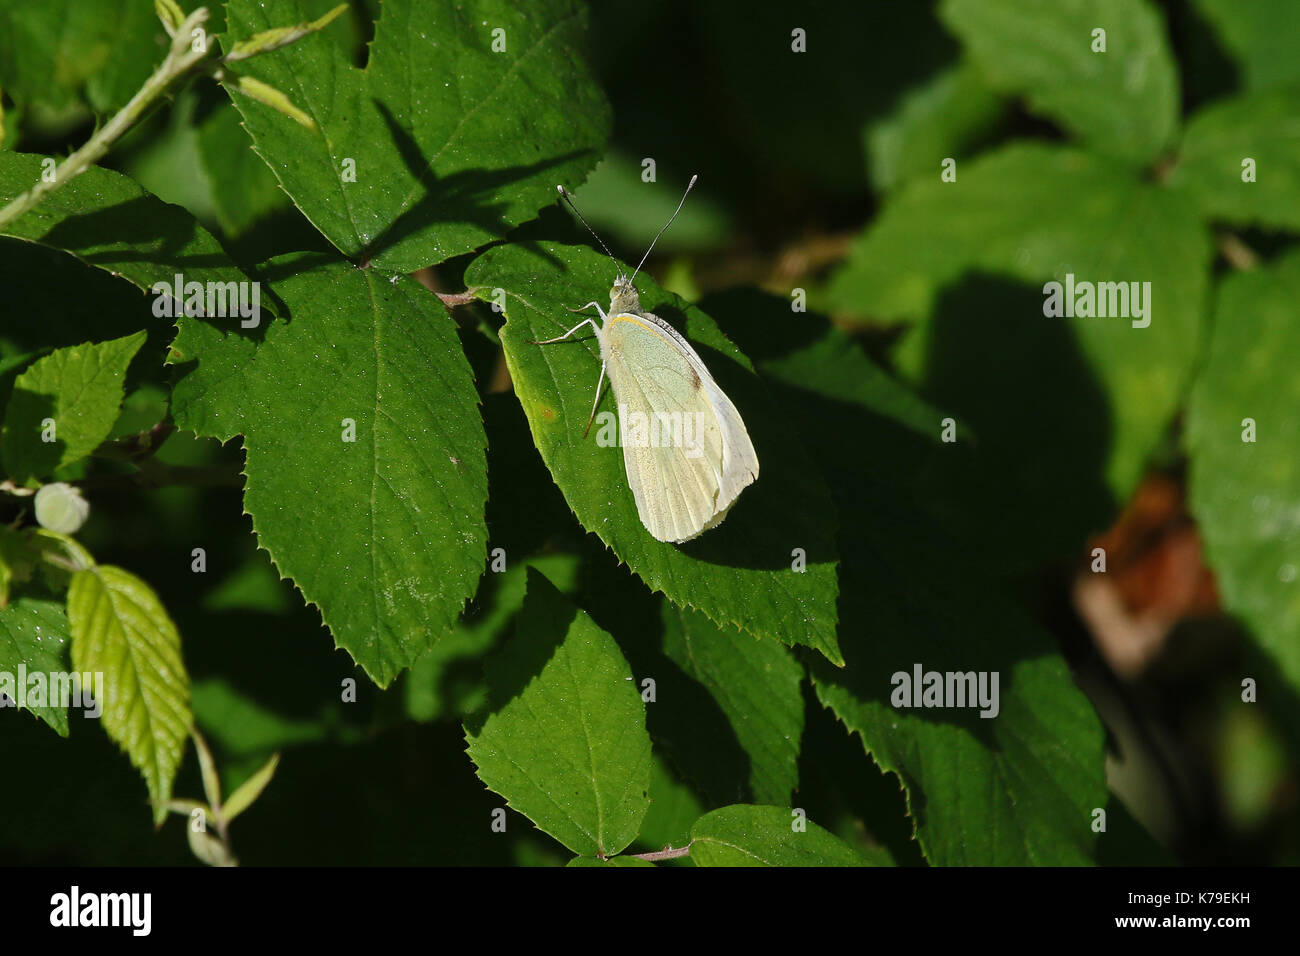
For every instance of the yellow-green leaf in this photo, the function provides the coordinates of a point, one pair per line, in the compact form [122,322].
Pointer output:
[120,628]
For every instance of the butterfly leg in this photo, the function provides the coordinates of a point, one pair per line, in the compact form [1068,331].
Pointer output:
[599,382]
[591,322]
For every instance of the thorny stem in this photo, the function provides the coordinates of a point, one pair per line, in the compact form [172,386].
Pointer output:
[181,59]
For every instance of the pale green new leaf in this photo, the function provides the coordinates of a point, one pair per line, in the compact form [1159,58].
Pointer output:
[120,628]
[80,390]
[249,790]
[738,573]
[744,835]
[563,738]
[1246,494]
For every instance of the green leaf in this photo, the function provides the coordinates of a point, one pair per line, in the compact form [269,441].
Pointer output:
[1073,213]
[757,684]
[1123,102]
[120,628]
[564,740]
[1260,36]
[744,835]
[1246,494]
[107,221]
[944,117]
[34,635]
[54,52]
[250,790]
[453,144]
[378,523]
[80,389]
[1261,127]
[739,573]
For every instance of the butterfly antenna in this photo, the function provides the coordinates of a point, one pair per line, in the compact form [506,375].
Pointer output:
[689,187]
[564,194]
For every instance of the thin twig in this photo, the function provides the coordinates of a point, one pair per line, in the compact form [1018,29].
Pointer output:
[456,298]
[667,853]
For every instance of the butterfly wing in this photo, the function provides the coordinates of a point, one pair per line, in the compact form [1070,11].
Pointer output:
[684,486]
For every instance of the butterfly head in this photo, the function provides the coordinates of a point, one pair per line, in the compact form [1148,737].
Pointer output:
[623,297]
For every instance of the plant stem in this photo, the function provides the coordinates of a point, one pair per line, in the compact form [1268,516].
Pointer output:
[667,853]
[181,58]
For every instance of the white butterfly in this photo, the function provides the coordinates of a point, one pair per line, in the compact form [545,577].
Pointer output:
[685,484]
